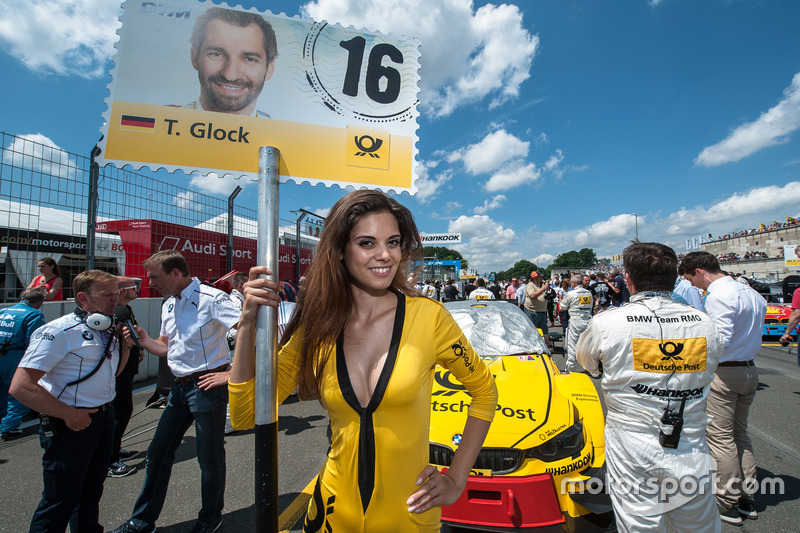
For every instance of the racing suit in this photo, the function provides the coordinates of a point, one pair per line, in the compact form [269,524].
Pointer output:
[578,303]
[656,354]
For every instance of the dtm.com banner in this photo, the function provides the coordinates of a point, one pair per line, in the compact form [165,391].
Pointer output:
[200,87]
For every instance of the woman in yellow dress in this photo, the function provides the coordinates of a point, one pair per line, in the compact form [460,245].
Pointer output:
[365,343]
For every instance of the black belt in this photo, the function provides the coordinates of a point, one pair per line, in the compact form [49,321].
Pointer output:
[197,375]
[738,363]
[100,408]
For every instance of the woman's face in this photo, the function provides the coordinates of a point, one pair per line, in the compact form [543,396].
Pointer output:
[373,254]
[44,268]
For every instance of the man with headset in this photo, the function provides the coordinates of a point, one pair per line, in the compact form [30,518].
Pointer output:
[658,360]
[67,375]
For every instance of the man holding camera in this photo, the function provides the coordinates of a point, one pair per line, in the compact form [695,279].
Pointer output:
[658,359]
[67,375]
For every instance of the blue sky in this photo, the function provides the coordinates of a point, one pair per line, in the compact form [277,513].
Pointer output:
[544,124]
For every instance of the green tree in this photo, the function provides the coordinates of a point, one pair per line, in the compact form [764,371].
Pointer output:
[583,258]
[522,267]
[444,254]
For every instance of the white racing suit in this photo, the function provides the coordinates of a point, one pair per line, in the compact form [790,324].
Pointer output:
[655,353]
[578,302]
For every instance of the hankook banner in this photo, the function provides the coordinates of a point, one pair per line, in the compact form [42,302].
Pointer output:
[200,87]
[440,238]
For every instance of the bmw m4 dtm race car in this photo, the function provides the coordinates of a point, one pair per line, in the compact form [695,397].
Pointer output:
[542,465]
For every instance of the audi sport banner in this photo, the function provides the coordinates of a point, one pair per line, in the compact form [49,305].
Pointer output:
[200,87]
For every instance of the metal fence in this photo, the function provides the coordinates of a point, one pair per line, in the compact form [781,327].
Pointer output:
[46,203]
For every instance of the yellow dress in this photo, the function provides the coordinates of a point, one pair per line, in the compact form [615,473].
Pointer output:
[377,452]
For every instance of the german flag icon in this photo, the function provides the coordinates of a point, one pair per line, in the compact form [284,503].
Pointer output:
[134,123]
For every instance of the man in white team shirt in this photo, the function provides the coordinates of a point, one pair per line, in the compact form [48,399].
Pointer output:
[195,319]
[738,312]
[67,374]
[481,292]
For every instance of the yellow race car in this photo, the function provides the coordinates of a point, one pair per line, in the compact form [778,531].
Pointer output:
[542,466]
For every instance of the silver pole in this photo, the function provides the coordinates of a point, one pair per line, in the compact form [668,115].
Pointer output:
[91,223]
[266,446]
[231,198]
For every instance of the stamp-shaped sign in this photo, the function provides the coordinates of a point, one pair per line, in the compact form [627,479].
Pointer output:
[200,87]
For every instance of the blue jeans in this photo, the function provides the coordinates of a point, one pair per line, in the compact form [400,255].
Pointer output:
[539,319]
[206,409]
[8,366]
[74,468]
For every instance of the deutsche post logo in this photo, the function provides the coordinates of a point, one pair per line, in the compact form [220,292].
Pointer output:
[367,147]
[672,355]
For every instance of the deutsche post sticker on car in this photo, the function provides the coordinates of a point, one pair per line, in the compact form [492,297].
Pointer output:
[339,103]
[527,357]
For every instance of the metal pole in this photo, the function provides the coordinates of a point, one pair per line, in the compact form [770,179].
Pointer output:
[233,195]
[297,243]
[636,220]
[91,222]
[266,451]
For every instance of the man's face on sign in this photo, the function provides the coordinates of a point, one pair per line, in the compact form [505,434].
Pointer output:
[232,67]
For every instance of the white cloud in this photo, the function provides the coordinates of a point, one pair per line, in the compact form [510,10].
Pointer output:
[63,37]
[466,55]
[185,200]
[771,128]
[769,202]
[618,227]
[552,164]
[489,204]
[38,153]
[487,245]
[428,186]
[542,260]
[211,183]
[489,154]
[739,211]
[513,176]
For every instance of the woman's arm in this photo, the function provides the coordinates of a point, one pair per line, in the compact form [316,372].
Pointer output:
[50,294]
[445,489]
[257,292]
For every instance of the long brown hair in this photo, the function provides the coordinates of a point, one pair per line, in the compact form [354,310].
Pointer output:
[325,303]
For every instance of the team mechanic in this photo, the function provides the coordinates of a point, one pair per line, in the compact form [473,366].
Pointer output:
[64,375]
[659,358]
[579,304]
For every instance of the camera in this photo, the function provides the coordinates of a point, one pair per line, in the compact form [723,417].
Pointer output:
[51,426]
[669,434]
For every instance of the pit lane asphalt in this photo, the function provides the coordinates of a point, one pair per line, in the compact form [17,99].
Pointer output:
[774,428]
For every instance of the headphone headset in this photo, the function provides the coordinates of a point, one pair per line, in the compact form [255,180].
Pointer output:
[96,321]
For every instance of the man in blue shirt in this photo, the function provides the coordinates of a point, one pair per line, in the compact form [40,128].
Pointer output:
[17,324]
